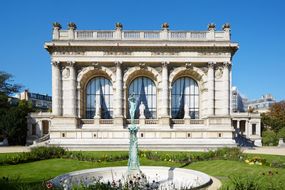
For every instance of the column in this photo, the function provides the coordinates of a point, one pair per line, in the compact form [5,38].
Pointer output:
[72,87]
[226,96]
[118,111]
[211,88]
[238,128]
[56,89]
[164,94]
[246,128]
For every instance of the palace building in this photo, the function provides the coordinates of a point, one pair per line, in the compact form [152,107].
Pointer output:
[182,82]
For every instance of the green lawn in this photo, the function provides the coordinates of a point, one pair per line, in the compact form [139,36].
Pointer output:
[36,172]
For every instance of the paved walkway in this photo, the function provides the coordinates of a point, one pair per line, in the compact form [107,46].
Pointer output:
[9,149]
[267,150]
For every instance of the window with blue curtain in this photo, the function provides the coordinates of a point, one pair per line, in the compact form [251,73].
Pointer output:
[185,91]
[99,89]
[144,90]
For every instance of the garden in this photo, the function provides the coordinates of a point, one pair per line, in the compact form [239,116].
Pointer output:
[235,169]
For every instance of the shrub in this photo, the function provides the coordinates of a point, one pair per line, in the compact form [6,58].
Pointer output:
[269,138]
[228,154]
[263,181]
[281,134]
[38,153]
[18,184]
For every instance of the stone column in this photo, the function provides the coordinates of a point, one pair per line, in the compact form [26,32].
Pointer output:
[238,128]
[211,88]
[164,95]
[164,98]
[247,128]
[56,89]
[118,111]
[72,87]
[226,80]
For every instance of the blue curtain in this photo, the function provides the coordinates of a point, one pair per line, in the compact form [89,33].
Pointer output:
[105,114]
[180,112]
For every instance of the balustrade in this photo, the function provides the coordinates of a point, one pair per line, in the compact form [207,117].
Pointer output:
[143,35]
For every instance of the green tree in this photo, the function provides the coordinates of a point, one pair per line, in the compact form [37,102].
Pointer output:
[7,88]
[275,118]
[13,122]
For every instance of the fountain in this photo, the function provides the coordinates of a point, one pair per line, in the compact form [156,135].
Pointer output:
[134,176]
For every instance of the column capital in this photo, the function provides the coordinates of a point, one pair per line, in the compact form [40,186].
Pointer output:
[70,63]
[227,64]
[165,63]
[211,64]
[55,63]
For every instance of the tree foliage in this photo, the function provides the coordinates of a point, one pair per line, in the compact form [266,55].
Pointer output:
[7,88]
[13,121]
[275,118]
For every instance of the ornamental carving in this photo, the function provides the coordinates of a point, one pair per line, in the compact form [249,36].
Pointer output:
[164,53]
[219,73]
[117,53]
[68,53]
[66,73]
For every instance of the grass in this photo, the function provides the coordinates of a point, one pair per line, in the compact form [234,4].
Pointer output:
[38,171]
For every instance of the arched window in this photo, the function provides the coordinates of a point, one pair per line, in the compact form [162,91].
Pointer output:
[185,94]
[144,90]
[99,91]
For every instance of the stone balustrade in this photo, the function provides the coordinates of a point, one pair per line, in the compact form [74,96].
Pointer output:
[165,34]
[145,35]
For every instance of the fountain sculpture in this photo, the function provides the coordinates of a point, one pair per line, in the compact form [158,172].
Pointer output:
[146,177]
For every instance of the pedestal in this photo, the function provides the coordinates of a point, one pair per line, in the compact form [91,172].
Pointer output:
[164,120]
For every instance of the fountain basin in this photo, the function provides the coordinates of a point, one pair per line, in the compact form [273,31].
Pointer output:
[165,177]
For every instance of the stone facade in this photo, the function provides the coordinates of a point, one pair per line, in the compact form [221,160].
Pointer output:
[163,56]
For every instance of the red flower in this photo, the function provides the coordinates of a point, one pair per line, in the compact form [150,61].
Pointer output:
[49,185]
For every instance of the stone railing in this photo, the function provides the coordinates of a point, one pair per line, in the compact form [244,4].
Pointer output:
[177,121]
[196,121]
[87,121]
[106,121]
[151,121]
[142,35]
[136,121]
[188,121]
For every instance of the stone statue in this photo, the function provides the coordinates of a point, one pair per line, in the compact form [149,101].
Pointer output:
[142,108]
[186,112]
[97,108]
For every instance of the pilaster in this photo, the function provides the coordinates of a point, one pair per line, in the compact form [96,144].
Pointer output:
[56,89]
[164,116]
[118,111]
[72,81]
[211,88]
[226,94]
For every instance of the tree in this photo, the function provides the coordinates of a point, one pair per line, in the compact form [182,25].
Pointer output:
[275,118]
[7,89]
[13,122]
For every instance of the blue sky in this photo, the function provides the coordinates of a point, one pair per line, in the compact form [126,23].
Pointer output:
[258,27]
